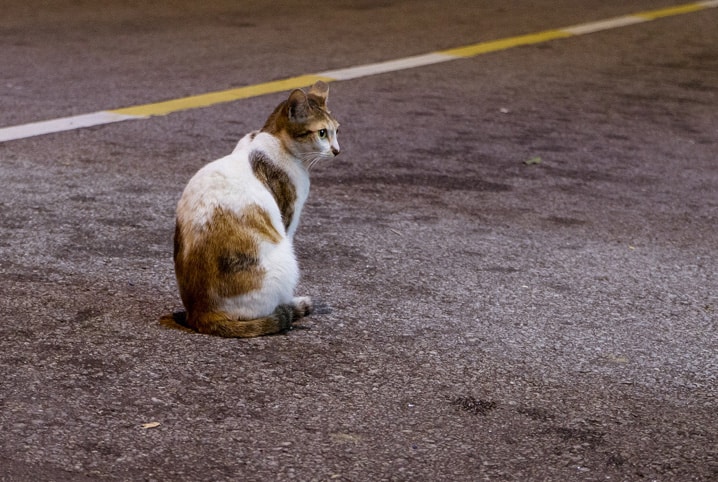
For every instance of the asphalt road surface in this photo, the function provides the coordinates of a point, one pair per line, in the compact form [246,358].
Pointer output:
[516,252]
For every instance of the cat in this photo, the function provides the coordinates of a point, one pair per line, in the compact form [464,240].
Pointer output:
[233,245]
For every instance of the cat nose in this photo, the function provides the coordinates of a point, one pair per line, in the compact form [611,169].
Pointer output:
[336,151]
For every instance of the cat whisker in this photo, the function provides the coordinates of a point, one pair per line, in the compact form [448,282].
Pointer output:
[313,163]
[310,159]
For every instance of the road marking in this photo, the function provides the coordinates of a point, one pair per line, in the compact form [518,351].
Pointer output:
[62,124]
[507,43]
[601,25]
[388,66]
[678,10]
[212,98]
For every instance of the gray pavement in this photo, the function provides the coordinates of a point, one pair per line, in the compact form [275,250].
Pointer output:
[484,318]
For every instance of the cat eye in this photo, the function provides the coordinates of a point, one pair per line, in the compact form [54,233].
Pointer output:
[322,133]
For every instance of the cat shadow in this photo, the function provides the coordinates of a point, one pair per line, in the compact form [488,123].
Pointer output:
[320,308]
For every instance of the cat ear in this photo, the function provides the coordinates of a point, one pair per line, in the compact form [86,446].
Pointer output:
[320,90]
[298,105]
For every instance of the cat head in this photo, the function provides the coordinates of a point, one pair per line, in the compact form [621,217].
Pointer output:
[305,126]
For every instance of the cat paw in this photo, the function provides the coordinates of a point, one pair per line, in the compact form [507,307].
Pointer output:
[302,306]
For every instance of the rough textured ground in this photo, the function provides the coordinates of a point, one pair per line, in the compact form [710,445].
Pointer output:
[484,318]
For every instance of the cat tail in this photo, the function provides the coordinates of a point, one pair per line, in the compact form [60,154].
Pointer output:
[221,324]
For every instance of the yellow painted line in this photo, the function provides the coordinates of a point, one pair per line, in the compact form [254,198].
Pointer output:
[671,11]
[507,43]
[212,98]
[219,97]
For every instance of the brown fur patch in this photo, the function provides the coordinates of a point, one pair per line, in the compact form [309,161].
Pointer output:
[278,183]
[258,220]
[222,260]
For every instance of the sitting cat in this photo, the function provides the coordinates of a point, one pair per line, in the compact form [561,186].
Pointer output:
[233,252]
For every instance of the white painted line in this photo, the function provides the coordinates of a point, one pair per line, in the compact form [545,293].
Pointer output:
[388,66]
[62,124]
[586,28]
[709,4]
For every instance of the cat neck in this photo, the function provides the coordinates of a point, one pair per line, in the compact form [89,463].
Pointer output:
[274,152]
[274,148]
